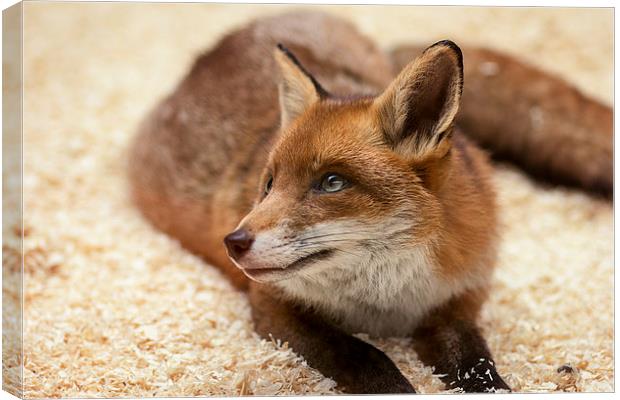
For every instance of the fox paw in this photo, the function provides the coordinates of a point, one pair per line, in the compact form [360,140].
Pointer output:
[481,378]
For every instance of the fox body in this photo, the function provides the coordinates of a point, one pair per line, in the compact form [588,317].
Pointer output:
[347,199]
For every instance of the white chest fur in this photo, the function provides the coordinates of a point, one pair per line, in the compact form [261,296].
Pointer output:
[384,295]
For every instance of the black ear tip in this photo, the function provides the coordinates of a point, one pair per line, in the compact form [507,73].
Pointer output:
[287,52]
[319,89]
[452,46]
[447,43]
[284,49]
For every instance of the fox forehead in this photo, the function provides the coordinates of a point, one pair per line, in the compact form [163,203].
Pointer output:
[330,131]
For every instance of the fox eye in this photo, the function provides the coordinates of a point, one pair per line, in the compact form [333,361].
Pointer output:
[332,183]
[268,185]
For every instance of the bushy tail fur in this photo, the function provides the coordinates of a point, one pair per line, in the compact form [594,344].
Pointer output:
[533,119]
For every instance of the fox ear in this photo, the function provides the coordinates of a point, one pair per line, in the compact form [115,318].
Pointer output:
[417,110]
[298,88]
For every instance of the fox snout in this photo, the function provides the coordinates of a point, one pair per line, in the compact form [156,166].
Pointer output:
[238,243]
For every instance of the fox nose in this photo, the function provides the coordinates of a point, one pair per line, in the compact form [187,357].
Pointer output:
[238,243]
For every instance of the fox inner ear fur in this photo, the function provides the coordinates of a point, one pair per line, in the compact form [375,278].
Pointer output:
[298,88]
[417,110]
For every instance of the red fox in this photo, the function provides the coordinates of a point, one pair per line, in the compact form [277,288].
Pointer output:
[345,199]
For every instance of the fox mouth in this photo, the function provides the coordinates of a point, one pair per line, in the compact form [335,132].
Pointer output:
[290,268]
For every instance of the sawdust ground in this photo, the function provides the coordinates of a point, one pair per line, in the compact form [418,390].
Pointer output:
[115,308]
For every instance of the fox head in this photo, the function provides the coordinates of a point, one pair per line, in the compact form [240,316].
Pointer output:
[352,180]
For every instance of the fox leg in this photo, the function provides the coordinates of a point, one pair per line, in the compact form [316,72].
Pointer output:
[357,367]
[450,341]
